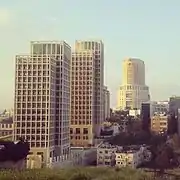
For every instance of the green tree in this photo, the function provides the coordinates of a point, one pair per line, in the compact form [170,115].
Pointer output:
[162,161]
[176,141]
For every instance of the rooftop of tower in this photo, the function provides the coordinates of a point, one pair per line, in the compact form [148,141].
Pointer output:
[62,42]
[133,59]
[89,40]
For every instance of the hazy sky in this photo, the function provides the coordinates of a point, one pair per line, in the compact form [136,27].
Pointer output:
[149,30]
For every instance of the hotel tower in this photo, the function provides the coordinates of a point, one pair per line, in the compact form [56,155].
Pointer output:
[133,90]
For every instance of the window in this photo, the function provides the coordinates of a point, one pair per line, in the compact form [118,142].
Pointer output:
[85,130]
[77,130]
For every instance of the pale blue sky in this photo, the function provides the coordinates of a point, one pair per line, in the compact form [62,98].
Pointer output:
[147,29]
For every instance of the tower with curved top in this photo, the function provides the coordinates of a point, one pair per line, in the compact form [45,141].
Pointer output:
[133,90]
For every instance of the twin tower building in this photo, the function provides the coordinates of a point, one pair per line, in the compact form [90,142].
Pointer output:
[59,96]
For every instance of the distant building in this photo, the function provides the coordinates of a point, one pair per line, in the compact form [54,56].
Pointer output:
[106,155]
[172,124]
[134,113]
[6,127]
[158,107]
[145,116]
[133,90]
[132,158]
[6,114]
[159,123]
[174,104]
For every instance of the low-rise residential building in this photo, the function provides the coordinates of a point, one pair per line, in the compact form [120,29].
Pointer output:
[6,127]
[159,123]
[134,112]
[6,114]
[161,107]
[131,156]
[106,154]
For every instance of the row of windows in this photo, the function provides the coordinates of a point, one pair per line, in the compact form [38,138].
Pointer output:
[37,132]
[48,48]
[44,80]
[33,124]
[79,90]
[6,126]
[134,88]
[33,98]
[83,56]
[5,132]
[85,68]
[82,103]
[32,73]
[33,92]
[39,66]
[82,122]
[37,104]
[82,61]
[34,86]
[79,78]
[37,137]
[160,124]
[33,79]
[23,115]
[79,131]
[85,83]
[81,73]
[79,137]
[84,108]
[59,71]
[76,97]
[35,117]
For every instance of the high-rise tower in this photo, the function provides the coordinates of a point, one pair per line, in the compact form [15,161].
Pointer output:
[42,99]
[88,67]
[82,129]
[133,90]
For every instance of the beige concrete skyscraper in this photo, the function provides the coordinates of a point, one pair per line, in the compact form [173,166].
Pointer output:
[82,99]
[88,79]
[42,99]
[133,90]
